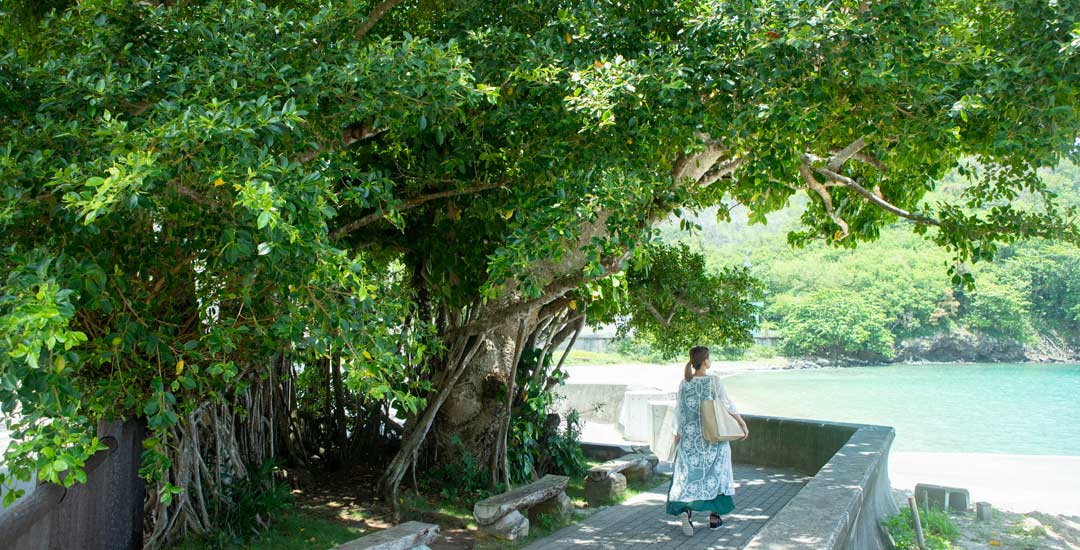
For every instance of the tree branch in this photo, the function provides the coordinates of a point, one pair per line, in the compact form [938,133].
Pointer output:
[380,10]
[870,195]
[691,307]
[812,182]
[871,160]
[840,157]
[411,203]
[349,136]
[723,169]
[695,166]
[652,309]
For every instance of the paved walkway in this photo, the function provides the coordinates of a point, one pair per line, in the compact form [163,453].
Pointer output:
[641,520]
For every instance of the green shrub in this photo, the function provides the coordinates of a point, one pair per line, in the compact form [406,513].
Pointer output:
[248,505]
[463,482]
[536,445]
[1001,310]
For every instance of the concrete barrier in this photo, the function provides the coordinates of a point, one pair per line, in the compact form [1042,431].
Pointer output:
[663,428]
[635,416]
[842,507]
[600,403]
[803,445]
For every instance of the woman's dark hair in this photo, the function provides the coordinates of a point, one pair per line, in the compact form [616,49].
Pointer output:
[698,355]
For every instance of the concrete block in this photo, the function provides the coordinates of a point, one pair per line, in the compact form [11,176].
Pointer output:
[511,527]
[936,496]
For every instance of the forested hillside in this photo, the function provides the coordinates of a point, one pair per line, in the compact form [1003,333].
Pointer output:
[894,300]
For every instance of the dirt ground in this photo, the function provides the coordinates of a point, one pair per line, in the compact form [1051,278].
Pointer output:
[348,497]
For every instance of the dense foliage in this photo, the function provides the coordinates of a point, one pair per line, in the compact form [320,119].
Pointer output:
[672,303]
[219,215]
[834,303]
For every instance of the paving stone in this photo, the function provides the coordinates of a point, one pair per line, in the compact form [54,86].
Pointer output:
[642,520]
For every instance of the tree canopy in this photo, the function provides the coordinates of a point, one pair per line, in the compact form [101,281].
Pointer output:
[191,189]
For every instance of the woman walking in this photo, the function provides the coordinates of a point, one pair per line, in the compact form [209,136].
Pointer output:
[702,480]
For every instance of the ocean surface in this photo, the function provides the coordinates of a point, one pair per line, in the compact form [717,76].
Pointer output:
[970,408]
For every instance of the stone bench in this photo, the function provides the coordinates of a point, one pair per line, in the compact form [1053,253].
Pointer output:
[411,535]
[501,517]
[944,498]
[606,481]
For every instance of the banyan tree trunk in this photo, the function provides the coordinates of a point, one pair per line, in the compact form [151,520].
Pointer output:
[475,412]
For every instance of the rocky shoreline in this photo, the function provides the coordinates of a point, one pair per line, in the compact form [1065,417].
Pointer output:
[957,346]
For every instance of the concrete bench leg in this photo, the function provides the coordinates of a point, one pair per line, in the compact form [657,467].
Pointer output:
[601,492]
[644,471]
[511,527]
[559,506]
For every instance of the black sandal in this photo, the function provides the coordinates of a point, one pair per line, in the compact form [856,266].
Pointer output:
[719,521]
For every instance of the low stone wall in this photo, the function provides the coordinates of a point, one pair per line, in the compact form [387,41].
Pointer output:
[842,507]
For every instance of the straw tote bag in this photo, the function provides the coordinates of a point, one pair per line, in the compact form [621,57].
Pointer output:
[717,424]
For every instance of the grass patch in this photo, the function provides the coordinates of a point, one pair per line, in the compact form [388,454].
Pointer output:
[578,357]
[435,509]
[938,528]
[635,487]
[292,531]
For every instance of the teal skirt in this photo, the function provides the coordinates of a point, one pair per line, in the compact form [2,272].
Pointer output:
[720,505]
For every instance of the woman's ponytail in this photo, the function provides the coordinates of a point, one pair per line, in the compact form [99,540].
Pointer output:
[698,355]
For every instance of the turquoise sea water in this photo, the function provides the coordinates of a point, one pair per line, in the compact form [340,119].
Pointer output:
[979,408]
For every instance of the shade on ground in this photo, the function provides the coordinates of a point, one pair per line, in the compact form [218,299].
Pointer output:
[641,520]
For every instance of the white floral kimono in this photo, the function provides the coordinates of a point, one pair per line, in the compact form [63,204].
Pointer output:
[702,478]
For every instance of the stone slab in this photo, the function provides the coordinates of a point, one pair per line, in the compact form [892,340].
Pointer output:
[405,536]
[489,510]
[639,461]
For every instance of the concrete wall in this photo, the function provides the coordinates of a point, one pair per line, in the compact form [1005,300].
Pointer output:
[803,445]
[595,402]
[842,507]
[636,416]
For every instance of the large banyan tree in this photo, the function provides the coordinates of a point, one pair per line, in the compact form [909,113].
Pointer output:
[212,209]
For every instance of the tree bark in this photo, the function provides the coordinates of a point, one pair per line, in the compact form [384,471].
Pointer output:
[473,412]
